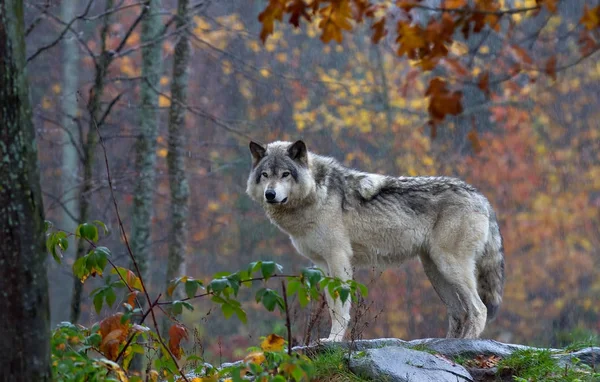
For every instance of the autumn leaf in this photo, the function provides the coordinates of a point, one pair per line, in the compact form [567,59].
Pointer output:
[296,10]
[176,334]
[551,67]
[378,31]
[484,83]
[336,18]
[257,357]
[130,278]
[273,11]
[452,4]
[520,54]
[273,342]
[131,297]
[551,5]
[591,17]
[442,101]
[113,333]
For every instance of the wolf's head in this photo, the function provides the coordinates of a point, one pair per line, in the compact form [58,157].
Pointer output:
[280,174]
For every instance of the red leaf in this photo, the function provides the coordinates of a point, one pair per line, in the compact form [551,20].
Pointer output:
[176,334]
[551,67]
[378,31]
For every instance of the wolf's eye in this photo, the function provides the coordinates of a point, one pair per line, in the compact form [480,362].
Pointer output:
[265,174]
[285,174]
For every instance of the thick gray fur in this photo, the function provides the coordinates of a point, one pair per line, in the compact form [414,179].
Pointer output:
[342,218]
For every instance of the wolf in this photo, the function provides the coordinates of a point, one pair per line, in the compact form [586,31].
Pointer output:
[342,219]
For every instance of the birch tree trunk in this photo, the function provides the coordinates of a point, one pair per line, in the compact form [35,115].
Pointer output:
[25,313]
[175,157]
[70,160]
[142,212]
[89,150]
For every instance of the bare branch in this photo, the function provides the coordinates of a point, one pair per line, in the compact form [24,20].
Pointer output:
[62,33]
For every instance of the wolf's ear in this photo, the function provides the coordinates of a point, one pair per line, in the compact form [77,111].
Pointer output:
[258,152]
[298,152]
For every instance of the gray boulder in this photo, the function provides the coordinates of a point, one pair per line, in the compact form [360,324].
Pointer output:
[397,363]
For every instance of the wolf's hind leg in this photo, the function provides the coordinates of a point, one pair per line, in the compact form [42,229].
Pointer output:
[454,282]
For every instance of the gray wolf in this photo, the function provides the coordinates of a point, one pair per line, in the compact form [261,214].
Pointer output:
[341,218]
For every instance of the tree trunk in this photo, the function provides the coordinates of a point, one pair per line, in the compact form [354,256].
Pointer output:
[25,314]
[175,157]
[142,212]
[70,139]
[89,150]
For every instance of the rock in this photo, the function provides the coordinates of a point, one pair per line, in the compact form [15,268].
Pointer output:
[452,347]
[589,356]
[397,363]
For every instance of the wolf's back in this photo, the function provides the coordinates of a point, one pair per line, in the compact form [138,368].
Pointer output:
[490,270]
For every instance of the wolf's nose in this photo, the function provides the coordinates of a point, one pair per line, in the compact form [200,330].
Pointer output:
[270,195]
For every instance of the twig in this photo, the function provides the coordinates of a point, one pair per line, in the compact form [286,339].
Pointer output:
[62,33]
[133,260]
[287,317]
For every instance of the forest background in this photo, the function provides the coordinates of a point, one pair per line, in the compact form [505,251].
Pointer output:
[521,123]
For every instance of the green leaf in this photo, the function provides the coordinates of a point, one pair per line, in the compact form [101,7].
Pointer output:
[293,287]
[63,243]
[98,298]
[177,307]
[363,289]
[228,310]
[234,283]
[47,225]
[344,293]
[191,286]
[313,276]
[218,285]
[303,297]
[101,256]
[260,293]
[79,267]
[110,296]
[241,314]
[187,305]
[102,225]
[267,269]
[88,231]
[271,299]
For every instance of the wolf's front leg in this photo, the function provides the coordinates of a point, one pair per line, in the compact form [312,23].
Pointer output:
[338,266]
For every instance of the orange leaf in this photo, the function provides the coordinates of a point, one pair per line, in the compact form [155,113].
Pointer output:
[450,4]
[113,333]
[550,4]
[336,18]
[131,297]
[442,101]
[273,11]
[176,334]
[591,17]
[378,31]
[296,10]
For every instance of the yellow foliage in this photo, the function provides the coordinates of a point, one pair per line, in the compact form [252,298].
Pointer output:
[213,206]
[46,103]
[164,80]
[164,101]
[56,88]
[265,72]
[255,357]
[272,342]
[162,152]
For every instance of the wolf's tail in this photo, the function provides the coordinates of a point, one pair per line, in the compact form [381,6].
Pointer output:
[490,270]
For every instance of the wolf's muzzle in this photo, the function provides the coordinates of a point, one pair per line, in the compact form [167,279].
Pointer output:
[270,195]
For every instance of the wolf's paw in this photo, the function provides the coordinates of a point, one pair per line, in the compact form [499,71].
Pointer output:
[332,338]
